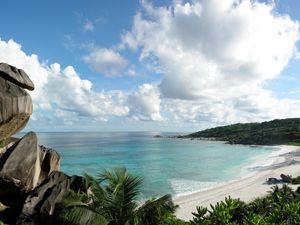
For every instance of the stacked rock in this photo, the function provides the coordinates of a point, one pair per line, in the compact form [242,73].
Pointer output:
[27,170]
[15,102]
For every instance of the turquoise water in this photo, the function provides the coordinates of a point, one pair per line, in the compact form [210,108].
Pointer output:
[167,165]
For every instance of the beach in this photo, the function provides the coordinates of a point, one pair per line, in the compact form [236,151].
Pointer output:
[246,188]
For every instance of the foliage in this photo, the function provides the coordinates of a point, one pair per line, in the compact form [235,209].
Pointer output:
[112,200]
[280,207]
[2,144]
[283,131]
[172,220]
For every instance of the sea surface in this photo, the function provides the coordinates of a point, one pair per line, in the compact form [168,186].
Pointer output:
[167,165]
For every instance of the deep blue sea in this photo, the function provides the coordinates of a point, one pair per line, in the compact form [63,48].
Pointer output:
[167,165]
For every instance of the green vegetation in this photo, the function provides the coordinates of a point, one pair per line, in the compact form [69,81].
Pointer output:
[284,131]
[2,144]
[112,200]
[292,180]
[280,207]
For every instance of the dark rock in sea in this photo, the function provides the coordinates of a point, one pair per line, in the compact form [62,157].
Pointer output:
[286,179]
[15,104]
[158,136]
[16,76]
[41,202]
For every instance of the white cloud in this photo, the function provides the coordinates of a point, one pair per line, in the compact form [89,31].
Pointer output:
[216,56]
[131,72]
[145,103]
[76,95]
[88,26]
[62,90]
[106,61]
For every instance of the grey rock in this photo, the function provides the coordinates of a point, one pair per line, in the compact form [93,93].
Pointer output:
[21,162]
[51,191]
[15,108]
[286,179]
[27,164]
[16,76]
[50,161]
[273,180]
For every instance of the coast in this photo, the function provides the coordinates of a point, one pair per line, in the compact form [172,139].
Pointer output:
[247,188]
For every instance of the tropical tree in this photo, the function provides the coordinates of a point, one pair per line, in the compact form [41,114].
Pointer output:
[111,199]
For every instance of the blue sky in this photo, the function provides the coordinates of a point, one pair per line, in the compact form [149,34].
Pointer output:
[154,65]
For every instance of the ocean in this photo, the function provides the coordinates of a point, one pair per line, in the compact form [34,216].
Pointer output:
[167,165]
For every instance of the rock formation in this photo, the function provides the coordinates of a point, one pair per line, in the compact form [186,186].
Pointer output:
[15,102]
[30,182]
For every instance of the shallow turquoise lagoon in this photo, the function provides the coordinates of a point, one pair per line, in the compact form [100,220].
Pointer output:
[167,165]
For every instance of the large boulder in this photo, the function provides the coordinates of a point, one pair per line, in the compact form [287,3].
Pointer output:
[27,164]
[21,162]
[50,161]
[23,166]
[16,76]
[43,199]
[15,102]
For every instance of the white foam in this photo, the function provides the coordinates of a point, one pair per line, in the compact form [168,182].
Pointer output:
[183,187]
[260,162]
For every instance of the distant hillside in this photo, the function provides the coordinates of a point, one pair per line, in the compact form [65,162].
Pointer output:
[283,131]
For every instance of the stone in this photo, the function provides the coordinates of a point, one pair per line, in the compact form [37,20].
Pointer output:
[12,196]
[15,108]
[16,76]
[273,180]
[50,161]
[23,166]
[286,179]
[27,164]
[42,200]
[21,162]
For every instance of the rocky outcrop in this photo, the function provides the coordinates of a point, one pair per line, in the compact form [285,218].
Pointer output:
[16,76]
[50,161]
[42,200]
[23,166]
[30,182]
[21,162]
[286,179]
[15,102]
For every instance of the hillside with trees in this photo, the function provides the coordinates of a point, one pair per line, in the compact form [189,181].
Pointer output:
[279,131]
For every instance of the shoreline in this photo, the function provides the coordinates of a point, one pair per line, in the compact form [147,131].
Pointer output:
[286,161]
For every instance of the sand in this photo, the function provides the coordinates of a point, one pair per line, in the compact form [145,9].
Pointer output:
[247,188]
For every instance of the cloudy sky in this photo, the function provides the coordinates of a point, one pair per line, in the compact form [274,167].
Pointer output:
[124,65]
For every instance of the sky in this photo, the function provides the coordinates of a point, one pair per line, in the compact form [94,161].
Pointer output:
[168,65]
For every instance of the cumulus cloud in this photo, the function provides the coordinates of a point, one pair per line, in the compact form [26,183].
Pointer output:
[106,61]
[62,90]
[216,52]
[145,103]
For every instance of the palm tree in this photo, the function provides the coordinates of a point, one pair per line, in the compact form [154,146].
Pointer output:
[112,200]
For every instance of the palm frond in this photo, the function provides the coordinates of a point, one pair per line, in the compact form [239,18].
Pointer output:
[81,214]
[152,211]
[98,194]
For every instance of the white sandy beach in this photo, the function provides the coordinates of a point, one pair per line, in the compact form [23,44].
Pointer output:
[246,188]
